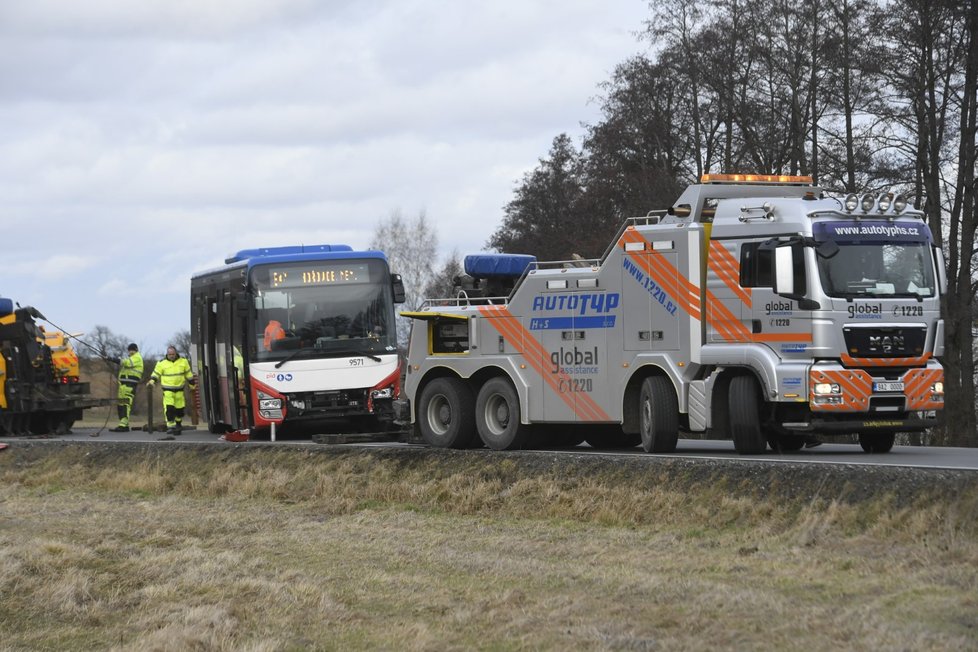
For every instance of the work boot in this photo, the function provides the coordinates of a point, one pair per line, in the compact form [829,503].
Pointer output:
[119,429]
[172,431]
[177,429]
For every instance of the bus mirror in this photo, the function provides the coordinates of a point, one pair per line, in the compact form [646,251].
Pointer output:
[398,286]
[784,270]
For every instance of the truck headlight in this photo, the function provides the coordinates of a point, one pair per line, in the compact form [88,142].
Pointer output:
[822,389]
[937,388]
[270,404]
[382,393]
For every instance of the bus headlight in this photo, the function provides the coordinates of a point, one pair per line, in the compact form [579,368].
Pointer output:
[382,393]
[270,404]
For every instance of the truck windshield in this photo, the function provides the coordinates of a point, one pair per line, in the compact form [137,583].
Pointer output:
[325,310]
[902,269]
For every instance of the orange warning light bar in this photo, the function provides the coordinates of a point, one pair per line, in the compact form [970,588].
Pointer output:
[754,178]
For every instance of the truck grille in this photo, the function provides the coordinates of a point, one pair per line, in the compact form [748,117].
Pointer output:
[890,342]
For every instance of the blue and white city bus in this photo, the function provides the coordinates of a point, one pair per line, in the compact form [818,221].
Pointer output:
[299,335]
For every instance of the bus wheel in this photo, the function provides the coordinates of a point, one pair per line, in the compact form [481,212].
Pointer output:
[659,412]
[445,413]
[497,416]
[745,422]
[877,442]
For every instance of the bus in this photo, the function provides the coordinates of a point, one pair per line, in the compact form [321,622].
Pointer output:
[297,336]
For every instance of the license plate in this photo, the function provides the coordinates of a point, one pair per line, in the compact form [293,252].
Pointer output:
[887,387]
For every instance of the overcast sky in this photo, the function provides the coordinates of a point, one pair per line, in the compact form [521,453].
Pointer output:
[144,140]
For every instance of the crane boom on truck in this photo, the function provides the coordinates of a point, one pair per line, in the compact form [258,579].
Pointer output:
[40,388]
[756,308]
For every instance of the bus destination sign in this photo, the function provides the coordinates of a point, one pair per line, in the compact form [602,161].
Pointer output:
[313,274]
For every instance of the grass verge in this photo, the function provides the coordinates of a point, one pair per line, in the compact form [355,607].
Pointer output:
[253,548]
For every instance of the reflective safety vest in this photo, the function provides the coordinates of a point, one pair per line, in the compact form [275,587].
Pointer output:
[273,331]
[173,374]
[131,369]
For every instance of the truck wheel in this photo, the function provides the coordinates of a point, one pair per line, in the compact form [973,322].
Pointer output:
[497,416]
[745,422]
[877,442]
[445,414]
[659,414]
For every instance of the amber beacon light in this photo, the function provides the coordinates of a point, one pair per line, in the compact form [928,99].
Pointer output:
[754,178]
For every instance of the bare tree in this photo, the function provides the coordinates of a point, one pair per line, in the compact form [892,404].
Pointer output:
[443,281]
[181,340]
[410,246]
[103,343]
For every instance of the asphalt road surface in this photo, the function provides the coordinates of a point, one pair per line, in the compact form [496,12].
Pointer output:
[905,456]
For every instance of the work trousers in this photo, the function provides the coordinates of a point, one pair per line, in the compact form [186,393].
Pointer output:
[126,396]
[173,404]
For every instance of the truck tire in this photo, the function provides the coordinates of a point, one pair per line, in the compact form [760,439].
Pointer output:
[877,442]
[745,422]
[445,414]
[659,415]
[497,416]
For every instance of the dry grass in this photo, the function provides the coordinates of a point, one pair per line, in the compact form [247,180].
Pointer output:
[259,550]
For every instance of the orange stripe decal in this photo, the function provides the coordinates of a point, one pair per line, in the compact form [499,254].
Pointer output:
[687,295]
[727,268]
[849,361]
[518,337]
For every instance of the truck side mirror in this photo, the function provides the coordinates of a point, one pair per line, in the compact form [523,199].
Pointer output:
[941,270]
[784,270]
[398,286]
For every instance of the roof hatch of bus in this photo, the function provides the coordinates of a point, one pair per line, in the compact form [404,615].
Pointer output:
[264,252]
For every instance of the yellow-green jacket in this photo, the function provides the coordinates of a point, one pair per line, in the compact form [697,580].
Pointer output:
[131,369]
[172,374]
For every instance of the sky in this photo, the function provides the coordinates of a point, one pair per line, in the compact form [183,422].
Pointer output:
[142,141]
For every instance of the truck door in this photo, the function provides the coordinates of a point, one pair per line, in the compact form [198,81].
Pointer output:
[776,321]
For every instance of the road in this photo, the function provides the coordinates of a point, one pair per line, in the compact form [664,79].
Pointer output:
[840,454]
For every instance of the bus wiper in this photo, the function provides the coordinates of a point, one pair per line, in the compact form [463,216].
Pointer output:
[365,354]
[291,356]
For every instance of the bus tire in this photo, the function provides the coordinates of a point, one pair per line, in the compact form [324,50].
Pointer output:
[497,416]
[658,416]
[877,442]
[745,422]
[445,414]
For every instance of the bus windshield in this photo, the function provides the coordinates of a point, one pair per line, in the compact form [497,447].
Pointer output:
[322,309]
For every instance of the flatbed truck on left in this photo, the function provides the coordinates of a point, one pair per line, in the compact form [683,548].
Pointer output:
[40,388]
